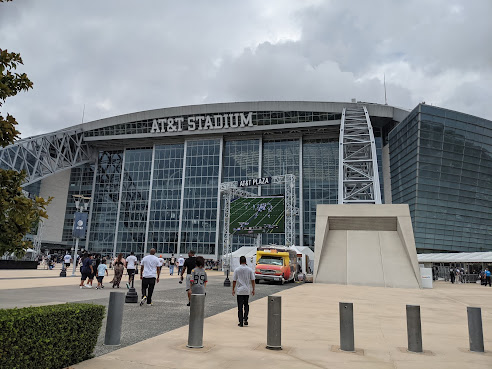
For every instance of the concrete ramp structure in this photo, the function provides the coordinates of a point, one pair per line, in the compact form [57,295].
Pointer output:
[363,244]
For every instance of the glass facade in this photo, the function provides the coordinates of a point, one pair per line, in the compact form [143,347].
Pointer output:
[241,161]
[201,183]
[134,201]
[166,198]
[320,181]
[105,202]
[280,157]
[441,165]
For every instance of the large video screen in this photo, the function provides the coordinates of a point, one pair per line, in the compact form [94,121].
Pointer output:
[254,215]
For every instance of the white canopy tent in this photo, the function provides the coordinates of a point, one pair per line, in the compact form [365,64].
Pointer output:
[459,257]
[249,252]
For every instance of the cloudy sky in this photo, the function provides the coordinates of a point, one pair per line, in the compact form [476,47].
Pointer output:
[119,56]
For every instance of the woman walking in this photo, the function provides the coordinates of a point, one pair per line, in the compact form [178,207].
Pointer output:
[119,267]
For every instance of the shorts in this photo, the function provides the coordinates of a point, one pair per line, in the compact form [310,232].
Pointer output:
[67,265]
[84,276]
[91,276]
[188,282]
[131,272]
[100,278]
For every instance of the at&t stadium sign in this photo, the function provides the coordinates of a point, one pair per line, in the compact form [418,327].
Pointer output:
[202,122]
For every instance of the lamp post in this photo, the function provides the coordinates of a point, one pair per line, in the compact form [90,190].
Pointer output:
[79,224]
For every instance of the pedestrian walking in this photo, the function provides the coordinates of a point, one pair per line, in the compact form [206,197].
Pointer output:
[188,265]
[101,270]
[161,261]
[149,267]
[198,277]
[172,261]
[119,267]
[130,268]
[243,285]
[451,275]
[66,260]
[86,270]
[487,277]
[181,261]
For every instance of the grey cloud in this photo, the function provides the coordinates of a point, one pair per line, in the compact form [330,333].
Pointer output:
[120,56]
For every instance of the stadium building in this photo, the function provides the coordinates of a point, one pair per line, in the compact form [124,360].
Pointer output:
[154,177]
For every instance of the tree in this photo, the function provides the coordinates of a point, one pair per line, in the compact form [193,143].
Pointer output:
[18,213]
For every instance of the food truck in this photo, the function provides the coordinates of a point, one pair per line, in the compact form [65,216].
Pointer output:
[276,264]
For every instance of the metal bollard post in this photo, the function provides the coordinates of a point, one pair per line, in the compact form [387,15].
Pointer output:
[197,314]
[115,318]
[346,326]
[475,330]
[414,329]
[274,324]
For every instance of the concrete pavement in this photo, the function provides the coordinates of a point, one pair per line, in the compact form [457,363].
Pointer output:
[310,333]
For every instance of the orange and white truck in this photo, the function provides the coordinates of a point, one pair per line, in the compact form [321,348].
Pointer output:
[275,264]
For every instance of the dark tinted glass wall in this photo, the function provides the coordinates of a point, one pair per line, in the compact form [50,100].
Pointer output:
[441,164]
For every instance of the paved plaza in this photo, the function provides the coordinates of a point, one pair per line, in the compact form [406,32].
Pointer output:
[156,337]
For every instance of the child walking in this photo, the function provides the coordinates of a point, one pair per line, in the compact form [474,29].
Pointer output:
[101,269]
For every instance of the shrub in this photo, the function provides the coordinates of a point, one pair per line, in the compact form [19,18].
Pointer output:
[53,336]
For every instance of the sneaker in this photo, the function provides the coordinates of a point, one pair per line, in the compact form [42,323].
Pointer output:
[240,325]
[245,322]
[188,304]
[128,285]
[88,286]
[102,286]
[81,287]
[143,300]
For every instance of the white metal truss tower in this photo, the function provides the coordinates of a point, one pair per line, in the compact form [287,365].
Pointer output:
[229,190]
[47,154]
[358,176]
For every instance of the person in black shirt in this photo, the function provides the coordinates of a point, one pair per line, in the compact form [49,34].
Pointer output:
[189,265]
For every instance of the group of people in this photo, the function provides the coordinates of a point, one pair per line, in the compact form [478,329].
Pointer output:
[94,266]
[150,270]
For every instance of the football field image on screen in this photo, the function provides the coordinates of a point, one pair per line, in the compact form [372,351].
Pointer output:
[257,215]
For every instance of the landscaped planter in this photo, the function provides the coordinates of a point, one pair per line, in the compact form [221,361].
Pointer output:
[18,264]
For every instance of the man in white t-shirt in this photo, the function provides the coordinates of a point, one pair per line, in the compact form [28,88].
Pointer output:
[244,280]
[130,268]
[66,259]
[150,266]
[181,262]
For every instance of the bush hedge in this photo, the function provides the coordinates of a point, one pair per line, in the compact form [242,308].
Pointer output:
[53,336]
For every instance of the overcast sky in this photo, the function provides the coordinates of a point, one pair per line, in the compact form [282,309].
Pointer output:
[124,56]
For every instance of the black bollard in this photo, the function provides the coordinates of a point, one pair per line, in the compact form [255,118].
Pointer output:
[197,314]
[414,329]
[227,282]
[475,330]
[115,318]
[274,323]
[132,295]
[346,326]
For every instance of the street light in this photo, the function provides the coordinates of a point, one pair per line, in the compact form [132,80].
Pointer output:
[79,224]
